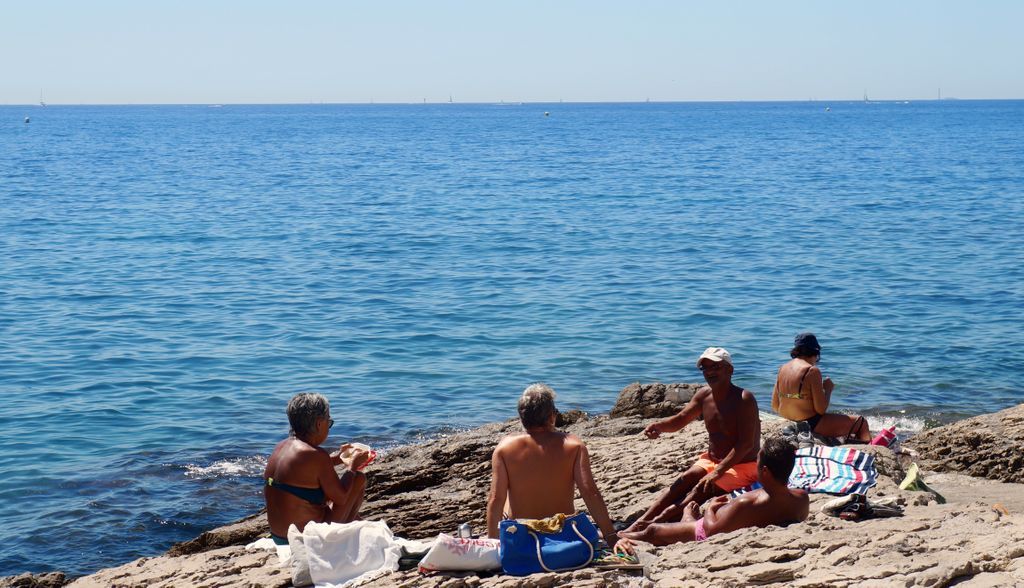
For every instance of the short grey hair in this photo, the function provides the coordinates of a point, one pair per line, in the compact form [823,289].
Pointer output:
[536,405]
[304,410]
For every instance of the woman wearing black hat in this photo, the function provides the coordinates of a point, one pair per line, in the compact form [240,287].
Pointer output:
[800,394]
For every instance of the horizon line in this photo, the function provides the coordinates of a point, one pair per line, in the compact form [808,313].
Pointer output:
[511,102]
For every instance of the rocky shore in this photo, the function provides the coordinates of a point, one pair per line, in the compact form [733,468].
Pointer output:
[976,538]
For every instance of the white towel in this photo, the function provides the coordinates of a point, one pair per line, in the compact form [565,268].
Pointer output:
[339,554]
[284,552]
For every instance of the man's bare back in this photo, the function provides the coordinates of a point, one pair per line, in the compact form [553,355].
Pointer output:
[535,474]
[541,460]
[756,509]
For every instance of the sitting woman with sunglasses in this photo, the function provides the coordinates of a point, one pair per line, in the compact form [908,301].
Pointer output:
[801,395]
[300,482]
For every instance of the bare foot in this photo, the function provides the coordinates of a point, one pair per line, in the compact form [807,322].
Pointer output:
[637,526]
[635,535]
[691,512]
[671,514]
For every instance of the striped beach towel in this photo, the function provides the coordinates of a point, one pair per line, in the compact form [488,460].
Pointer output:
[832,470]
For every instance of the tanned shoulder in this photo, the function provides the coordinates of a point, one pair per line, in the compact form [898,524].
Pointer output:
[748,397]
[572,440]
[507,441]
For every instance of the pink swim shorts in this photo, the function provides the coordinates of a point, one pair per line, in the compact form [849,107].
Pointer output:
[699,534]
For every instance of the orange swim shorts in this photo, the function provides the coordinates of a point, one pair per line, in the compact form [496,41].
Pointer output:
[738,476]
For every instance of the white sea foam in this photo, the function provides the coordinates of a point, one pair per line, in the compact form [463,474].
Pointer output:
[227,468]
[905,425]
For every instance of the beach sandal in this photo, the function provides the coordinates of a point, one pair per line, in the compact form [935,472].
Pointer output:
[863,509]
[804,434]
[410,561]
[885,508]
[915,482]
[855,511]
[616,560]
[852,507]
[835,506]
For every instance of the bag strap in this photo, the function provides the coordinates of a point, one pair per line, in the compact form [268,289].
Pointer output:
[540,558]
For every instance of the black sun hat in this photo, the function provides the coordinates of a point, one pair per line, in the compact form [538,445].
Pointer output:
[807,342]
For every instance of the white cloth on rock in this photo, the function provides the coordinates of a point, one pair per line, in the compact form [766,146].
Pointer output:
[342,553]
[284,552]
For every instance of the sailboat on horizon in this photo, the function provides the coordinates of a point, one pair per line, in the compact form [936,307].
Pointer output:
[41,103]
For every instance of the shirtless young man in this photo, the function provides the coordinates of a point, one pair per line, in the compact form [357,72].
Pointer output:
[537,472]
[734,427]
[774,504]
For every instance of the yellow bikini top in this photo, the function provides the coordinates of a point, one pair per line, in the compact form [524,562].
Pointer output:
[799,392]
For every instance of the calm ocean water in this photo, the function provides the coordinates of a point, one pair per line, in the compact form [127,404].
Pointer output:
[170,276]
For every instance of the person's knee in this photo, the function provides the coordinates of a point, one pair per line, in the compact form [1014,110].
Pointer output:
[681,485]
[677,487]
[359,482]
[689,479]
[676,493]
[354,482]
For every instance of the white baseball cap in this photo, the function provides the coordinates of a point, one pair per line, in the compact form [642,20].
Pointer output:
[715,354]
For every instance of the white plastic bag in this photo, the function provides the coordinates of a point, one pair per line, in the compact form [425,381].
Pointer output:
[452,554]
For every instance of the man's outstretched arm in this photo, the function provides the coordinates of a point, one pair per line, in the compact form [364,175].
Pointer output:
[684,417]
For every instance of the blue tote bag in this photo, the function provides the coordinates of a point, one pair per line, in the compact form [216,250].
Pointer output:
[525,550]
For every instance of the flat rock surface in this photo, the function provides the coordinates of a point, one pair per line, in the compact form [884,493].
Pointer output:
[931,545]
[975,539]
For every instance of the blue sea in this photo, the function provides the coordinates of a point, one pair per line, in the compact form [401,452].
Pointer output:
[171,275]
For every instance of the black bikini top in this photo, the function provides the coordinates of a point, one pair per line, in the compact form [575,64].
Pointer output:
[310,495]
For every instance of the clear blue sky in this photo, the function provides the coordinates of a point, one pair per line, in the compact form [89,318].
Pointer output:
[140,51]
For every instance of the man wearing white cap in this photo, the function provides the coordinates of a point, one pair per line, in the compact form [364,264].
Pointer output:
[734,431]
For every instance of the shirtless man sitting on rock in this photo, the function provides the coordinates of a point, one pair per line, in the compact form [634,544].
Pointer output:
[534,474]
[774,504]
[734,430]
